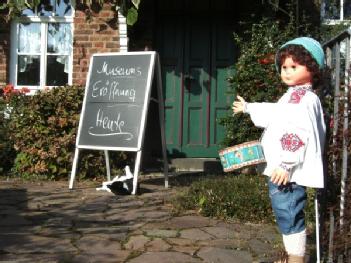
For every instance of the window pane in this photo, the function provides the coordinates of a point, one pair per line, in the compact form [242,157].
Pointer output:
[63,8]
[332,9]
[29,38]
[347,9]
[28,12]
[50,8]
[46,8]
[28,72]
[59,38]
[57,70]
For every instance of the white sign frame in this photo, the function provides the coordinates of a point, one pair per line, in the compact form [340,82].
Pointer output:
[154,62]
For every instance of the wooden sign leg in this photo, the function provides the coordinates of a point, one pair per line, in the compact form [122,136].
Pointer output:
[108,170]
[162,118]
[136,172]
[74,168]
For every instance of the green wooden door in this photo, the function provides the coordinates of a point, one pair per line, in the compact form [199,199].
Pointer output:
[195,56]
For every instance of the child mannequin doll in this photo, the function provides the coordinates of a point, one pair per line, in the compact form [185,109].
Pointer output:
[293,139]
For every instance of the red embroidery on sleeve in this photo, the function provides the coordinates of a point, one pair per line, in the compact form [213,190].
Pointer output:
[297,95]
[291,142]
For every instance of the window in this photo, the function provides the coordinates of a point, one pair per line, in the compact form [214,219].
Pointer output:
[334,11]
[41,51]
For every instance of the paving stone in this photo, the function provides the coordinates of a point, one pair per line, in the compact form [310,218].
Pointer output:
[126,204]
[220,255]
[224,243]
[161,233]
[190,221]
[190,250]
[260,248]
[180,241]
[115,232]
[195,234]
[169,257]
[14,220]
[37,258]
[101,256]
[98,242]
[136,242]
[59,221]
[132,216]
[219,232]
[157,245]
[57,232]
[47,222]
[270,233]
[20,244]
[151,215]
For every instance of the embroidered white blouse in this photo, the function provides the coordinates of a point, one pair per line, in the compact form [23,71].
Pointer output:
[294,134]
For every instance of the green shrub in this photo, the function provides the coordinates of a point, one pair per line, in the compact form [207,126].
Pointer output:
[43,130]
[255,77]
[7,153]
[242,197]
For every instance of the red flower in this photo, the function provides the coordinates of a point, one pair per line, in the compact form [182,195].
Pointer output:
[8,89]
[25,90]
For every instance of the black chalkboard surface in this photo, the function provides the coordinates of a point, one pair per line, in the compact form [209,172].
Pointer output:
[116,100]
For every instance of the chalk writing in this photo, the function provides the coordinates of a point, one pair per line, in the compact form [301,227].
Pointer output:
[111,90]
[119,71]
[111,127]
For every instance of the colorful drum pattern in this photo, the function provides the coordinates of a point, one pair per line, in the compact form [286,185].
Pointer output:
[238,156]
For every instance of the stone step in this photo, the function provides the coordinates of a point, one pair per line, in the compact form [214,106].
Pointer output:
[208,165]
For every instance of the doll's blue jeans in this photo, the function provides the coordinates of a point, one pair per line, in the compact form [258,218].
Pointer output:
[288,203]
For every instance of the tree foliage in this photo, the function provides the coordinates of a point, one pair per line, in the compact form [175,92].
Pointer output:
[129,8]
[256,78]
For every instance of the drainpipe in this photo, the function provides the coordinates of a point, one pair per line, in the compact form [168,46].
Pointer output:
[123,34]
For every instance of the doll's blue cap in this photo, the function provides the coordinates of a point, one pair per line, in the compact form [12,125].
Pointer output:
[311,45]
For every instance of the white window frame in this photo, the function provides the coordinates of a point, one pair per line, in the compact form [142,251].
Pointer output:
[44,21]
[328,21]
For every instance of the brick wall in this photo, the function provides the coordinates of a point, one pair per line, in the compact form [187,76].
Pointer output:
[4,52]
[99,34]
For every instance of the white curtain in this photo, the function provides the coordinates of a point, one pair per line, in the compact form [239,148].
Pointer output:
[28,44]
[60,41]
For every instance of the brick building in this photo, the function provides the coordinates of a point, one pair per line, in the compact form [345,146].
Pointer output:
[52,46]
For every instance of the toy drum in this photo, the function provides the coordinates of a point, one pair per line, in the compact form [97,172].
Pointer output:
[238,156]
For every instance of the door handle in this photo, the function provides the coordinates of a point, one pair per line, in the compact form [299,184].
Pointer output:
[188,77]
[187,81]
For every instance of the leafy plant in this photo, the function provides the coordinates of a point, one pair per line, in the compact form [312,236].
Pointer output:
[255,76]
[43,130]
[7,153]
[129,8]
[241,197]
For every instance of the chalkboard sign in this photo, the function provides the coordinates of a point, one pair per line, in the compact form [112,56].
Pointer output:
[116,100]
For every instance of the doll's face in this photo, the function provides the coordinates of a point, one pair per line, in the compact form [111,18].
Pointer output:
[293,73]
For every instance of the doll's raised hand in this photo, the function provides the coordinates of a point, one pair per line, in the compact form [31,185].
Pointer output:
[239,105]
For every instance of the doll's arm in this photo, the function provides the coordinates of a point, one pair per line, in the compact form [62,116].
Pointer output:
[260,113]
